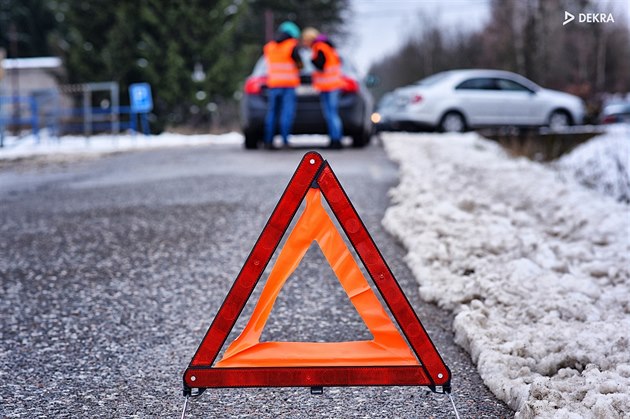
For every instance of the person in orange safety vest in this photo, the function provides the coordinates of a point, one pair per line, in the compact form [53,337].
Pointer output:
[283,76]
[327,79]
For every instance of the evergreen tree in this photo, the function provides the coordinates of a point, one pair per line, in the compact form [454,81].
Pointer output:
[192,52]
[33,20]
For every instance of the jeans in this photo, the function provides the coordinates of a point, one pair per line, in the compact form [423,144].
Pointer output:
[330,108]
[281,108]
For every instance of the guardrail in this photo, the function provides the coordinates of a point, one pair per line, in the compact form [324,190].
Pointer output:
[17,103]
[542,144]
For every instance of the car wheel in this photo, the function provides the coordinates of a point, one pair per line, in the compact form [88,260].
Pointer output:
[452,122]
[361,139]
[251,140]
[559,120]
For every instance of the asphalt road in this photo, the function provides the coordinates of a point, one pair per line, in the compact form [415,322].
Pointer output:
[113,268]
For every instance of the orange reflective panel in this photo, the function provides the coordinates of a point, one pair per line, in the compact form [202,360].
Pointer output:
[388,346]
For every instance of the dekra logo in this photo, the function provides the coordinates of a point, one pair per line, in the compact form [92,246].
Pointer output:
[589,18]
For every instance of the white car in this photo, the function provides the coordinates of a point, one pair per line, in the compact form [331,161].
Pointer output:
[453,101]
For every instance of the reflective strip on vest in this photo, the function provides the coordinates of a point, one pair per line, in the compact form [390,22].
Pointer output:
[330,78]
[281,69]
[281,66]
[330,75]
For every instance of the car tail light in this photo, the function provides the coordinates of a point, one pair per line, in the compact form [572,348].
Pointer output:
[610,119]
[416,99]
[350,85]
[254,85]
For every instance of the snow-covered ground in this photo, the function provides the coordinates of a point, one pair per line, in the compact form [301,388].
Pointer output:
[29,146]
[534,265]
[103,144]
[602,163]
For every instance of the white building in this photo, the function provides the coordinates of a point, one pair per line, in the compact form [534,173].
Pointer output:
[23,76]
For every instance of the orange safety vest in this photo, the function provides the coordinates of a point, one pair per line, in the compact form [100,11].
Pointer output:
[330,78]
[281,69]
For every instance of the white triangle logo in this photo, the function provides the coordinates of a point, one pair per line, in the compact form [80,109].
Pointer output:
[568,17]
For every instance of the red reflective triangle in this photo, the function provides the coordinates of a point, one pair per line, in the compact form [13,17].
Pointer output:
[313,171]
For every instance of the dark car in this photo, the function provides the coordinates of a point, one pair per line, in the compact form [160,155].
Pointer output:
[616,112]
[355,105]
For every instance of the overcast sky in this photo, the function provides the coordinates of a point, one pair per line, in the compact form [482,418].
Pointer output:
[377,27]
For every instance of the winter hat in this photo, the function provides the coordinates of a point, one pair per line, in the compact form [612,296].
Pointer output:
[290,29]
[321,38]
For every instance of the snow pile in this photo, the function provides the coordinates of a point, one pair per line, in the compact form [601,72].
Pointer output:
[101,144]
[603,163]
[535,268]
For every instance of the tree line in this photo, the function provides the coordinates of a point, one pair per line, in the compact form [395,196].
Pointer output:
[195,54]
[526,37]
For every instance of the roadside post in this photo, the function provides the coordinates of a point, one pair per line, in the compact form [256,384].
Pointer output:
[141,102]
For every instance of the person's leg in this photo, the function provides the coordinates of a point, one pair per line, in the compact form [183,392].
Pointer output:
[330,109]
[287,113]
[336,130]
[324,100]
[272,111]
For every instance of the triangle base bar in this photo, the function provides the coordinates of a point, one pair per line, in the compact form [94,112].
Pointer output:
[206,377]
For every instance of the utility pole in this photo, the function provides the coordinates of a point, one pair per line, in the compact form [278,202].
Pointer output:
[268,25]
[13,36]
[2,56]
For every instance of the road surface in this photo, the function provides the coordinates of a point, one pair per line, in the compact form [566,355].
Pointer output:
[113,268]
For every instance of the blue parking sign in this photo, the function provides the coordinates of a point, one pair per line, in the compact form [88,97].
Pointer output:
[140,97]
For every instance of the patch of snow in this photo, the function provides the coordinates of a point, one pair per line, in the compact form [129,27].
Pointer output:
[103,144]
[602,163]
[535,267]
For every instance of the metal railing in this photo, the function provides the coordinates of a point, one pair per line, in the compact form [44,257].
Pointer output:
[43,111]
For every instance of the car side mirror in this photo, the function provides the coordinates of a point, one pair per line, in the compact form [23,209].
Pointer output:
[372,80]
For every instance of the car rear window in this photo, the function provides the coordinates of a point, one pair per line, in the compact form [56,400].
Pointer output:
[434,79]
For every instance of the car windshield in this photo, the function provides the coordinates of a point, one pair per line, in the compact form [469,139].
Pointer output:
[260,69]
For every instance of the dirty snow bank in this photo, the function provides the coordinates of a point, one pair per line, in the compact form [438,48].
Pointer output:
[102,144]
[536,269]
[602,163]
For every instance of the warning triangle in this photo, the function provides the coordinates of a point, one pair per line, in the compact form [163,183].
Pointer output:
[387,348]
[387,359]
